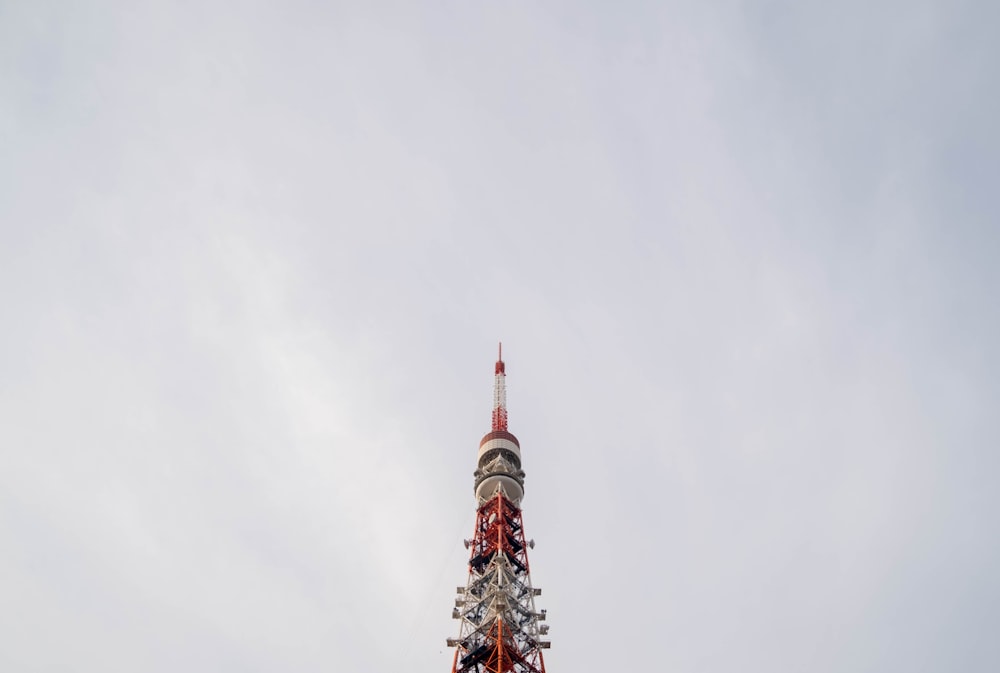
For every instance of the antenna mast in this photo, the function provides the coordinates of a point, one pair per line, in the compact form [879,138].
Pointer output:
[500,393]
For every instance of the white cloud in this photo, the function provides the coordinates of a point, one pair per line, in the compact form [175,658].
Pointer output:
[255,263]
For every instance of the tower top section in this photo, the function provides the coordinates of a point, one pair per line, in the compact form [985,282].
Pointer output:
[501,630]
[499,451]
[500,393]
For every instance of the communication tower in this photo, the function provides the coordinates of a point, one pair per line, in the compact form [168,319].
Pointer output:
[501,631]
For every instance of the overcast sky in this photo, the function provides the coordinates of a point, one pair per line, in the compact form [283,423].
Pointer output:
[255,259]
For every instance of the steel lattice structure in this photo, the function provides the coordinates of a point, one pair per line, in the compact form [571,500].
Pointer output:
[500,628]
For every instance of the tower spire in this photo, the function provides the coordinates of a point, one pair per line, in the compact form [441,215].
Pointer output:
[500,392]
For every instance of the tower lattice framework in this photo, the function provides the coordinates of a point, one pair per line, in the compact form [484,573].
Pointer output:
[501,631]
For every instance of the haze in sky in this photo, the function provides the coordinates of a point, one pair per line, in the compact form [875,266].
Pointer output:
[255,259]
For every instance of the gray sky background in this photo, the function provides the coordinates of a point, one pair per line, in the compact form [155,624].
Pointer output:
[255,259]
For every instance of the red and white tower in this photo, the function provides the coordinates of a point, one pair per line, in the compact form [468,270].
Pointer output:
[500,629]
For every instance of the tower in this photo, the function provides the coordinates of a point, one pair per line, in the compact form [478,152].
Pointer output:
[500,629]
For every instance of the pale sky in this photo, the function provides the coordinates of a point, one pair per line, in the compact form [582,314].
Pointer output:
[255,259]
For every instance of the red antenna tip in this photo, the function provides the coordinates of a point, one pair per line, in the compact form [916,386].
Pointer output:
[500,367]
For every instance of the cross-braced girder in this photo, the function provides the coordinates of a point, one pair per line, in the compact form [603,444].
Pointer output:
[500,627]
